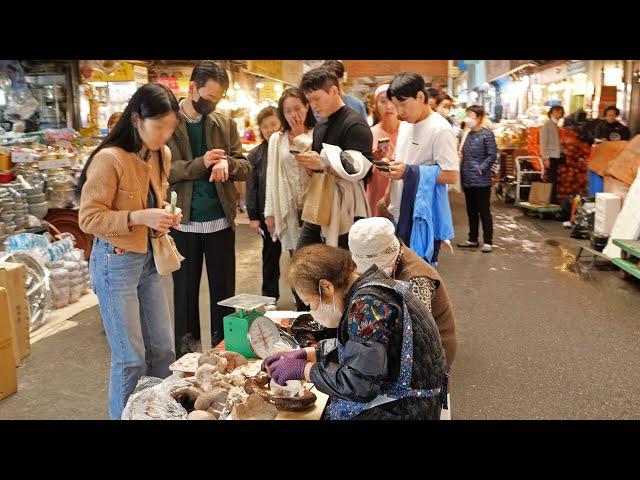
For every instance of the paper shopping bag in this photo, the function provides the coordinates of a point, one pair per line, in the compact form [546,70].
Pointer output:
[317,206]
[540,193]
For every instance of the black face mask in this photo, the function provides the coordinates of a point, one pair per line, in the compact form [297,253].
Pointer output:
[202,106]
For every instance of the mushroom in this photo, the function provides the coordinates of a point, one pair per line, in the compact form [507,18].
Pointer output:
[212,401]
[234,360]
[201,415]
[203,376]
[255,408]
[186,396]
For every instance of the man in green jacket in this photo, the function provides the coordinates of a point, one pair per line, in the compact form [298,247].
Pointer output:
[206,158]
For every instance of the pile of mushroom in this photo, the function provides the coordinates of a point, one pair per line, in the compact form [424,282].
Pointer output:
[225,384]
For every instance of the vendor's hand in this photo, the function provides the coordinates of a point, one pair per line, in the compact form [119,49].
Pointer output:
[220,172]
[213,157]
[255,226]
[396,170]
[271,224]
[287,369]
[299,354]
[309,160]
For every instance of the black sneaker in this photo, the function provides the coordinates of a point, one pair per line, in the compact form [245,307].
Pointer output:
[468,244]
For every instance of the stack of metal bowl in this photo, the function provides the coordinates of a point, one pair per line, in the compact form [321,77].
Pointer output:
[8,215]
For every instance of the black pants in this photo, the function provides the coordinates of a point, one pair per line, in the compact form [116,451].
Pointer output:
[553,178]
[479,208]
[219,253]
[310,235]
[270,264]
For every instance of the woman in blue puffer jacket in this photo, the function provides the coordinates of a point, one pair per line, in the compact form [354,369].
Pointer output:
[479,153]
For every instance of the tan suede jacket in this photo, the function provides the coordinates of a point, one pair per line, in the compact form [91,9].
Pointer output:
[118,183]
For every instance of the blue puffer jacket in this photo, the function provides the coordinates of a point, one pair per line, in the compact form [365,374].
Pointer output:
[479,152]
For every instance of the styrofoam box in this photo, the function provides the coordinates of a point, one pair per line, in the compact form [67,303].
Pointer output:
[608,207]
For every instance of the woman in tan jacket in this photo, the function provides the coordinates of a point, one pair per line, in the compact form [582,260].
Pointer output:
[123,188]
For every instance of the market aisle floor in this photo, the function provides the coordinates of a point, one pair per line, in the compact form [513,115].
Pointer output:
[535,341]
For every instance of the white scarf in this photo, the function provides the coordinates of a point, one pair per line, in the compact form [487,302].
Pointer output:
[280,199]
[349,196]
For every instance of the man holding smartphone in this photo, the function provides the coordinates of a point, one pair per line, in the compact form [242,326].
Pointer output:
[342,127]
[206,159]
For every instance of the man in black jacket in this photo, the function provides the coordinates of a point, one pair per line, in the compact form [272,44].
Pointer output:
[610,129]
[269,123]
[342,127]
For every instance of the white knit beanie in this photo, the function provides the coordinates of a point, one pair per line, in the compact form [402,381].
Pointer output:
[373,241]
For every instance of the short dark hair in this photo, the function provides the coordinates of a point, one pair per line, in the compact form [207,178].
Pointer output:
[478,110]
[208,70]
[554,108]
[432,92]
[266,112]
[319,78]
[405,85]
[295,92]
[442,97]
[337,66]
[612,107]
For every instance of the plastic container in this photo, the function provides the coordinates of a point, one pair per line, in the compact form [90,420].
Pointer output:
[596,183]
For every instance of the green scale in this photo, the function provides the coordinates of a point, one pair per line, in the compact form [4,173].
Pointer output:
[247,331]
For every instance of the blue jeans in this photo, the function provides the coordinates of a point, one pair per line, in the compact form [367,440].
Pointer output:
[137,322]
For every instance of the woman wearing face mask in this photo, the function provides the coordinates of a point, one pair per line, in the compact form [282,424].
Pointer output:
[268,123]
[123,188]
[479,153]
[444,103]
[287,181]
[551,148]
[387,361]
[386,124]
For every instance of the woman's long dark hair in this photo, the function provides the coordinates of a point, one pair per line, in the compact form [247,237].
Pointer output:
[152,100]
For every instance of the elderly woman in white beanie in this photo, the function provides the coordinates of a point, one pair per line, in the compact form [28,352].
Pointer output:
[373,241]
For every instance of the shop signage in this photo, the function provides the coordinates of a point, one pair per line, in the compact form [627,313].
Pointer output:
[170,82]
[497,68]
[573,68]
[49,164]
[124,73]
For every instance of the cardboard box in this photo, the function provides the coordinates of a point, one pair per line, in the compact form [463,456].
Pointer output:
[13,278]
[8,372]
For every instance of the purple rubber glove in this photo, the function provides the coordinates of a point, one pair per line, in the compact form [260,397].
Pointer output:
[287,369]
[300,354]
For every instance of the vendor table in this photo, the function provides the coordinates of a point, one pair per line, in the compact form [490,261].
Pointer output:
[188,364]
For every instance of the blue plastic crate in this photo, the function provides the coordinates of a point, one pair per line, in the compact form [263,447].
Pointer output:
[596,183]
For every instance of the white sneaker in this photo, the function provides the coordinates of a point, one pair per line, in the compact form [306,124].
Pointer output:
[487,248]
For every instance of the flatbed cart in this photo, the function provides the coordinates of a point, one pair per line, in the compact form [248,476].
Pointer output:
[527,207]
[630,258]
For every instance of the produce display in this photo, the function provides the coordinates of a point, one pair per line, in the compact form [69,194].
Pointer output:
[510,134]
[226,386]
[572,175]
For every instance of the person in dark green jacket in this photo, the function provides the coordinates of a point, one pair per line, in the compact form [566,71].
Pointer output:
[206,160]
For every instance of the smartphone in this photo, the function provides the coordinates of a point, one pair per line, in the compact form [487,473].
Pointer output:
[381,165]
[383,146]
[293,152]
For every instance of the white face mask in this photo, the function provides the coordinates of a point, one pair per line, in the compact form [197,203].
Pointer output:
[555,120]
[470,122]
[443,111]
[326,316]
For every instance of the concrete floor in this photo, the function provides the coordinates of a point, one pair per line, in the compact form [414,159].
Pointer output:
[535,341]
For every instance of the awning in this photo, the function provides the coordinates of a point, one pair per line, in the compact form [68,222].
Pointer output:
[499,68]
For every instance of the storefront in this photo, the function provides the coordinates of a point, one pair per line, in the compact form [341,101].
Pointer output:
[37,95]
[107,86]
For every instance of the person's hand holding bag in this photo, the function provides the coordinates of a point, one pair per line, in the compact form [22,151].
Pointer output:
[157,219]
